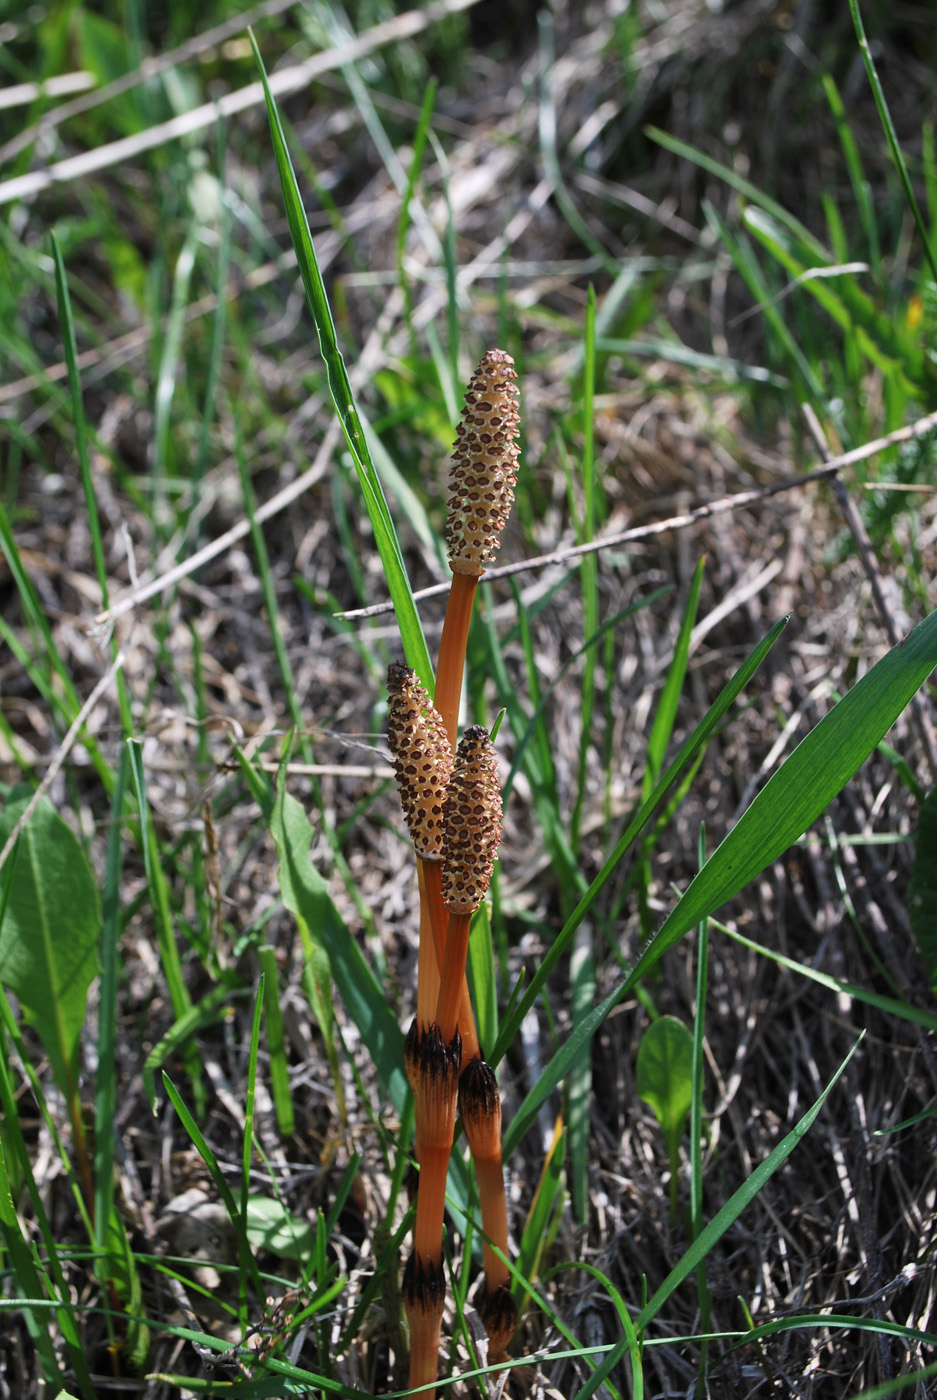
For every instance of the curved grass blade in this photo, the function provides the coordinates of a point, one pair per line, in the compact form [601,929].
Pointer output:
[629,1343]
[343,398]
[890,1006]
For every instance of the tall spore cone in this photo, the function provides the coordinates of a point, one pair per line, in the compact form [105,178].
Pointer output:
[484,465]
[422,758]
[472,823]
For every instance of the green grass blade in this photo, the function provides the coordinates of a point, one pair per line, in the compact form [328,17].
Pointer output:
[582,975]
[890,1006]
[733,1208]
[17,1153]
[482,977]
[105,1099]
[305,894]
[276,1043]
[860,185]
[747,265]
[743,187]
[247,1149]
[28,1280]
[158,887]
[266,582]
[665,713]
[549,1191]
[629,1343]
[588,572]
[891,135]
[168,377]
[411,632]
[703,1294]
[203,1013]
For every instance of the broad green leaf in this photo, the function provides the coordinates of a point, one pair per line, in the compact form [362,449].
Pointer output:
[665,1081]
[49,938]
[665,1074]
[922,892]
[271,1226]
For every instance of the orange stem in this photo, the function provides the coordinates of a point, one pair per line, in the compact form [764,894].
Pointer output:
[427,977]
[431,889]
[424,1295]
[452,974]
[493,1202]
[452,646]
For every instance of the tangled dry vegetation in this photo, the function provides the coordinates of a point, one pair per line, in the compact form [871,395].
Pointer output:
[849,1223]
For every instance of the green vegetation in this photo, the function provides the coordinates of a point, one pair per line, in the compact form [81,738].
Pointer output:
[237,322]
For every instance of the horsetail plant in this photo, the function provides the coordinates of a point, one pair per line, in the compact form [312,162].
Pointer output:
[453,812]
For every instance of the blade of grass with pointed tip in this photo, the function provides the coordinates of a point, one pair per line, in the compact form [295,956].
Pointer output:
[411,632]
[588,575]
[890,1006]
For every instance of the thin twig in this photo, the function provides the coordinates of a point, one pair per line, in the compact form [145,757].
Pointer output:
[676,522]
